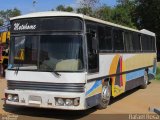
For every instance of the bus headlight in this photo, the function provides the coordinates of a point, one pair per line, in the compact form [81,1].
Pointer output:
[69,102]
[10,97]
[60,101]
[15,98]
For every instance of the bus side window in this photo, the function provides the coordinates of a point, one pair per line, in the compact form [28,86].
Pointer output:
[128,39]
[118,40]
[136,42]
[105,38]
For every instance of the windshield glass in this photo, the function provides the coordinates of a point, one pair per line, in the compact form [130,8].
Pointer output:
[47,53]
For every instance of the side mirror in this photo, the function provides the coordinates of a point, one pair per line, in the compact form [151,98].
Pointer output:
[94,43]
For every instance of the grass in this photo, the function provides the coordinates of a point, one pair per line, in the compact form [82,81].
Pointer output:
[158,71]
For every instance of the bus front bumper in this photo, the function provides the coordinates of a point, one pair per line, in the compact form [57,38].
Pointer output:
[41,99]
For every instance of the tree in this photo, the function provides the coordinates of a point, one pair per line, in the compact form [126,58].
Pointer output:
[123,13]
[5,15]
[104,12]
[63,8]
[10,13]
[69,9]
[1,22]
[60,8]
[85,11]
[88,3]
[147,16]
[86,7]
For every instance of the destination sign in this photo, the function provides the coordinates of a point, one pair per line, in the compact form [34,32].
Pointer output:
[46,24]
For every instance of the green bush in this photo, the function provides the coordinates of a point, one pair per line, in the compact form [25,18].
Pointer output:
[158,73]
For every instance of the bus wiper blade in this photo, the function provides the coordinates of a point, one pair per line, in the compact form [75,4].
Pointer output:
[17,68]
[56,73]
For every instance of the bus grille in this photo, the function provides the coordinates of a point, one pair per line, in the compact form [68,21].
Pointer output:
[41,86]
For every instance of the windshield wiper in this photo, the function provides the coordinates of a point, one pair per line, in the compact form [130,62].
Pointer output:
[18,66]
[56,73]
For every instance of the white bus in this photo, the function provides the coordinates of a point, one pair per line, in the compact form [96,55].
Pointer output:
[71,61]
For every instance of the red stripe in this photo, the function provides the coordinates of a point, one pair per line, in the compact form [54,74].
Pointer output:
[121,82]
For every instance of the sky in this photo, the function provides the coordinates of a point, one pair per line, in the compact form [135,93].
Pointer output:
[26,6]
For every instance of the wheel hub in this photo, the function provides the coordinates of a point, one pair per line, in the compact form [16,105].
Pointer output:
[105,93]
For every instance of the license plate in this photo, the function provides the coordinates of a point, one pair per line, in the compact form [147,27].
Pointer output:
[35,101]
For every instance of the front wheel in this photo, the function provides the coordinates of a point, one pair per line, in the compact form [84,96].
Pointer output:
[145,80]
[105,96]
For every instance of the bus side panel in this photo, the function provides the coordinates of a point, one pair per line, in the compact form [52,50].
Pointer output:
[125,70]
[93,93]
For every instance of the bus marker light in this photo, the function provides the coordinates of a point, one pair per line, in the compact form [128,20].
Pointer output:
[76,101]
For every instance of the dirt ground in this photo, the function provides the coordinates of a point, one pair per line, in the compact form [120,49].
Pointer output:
[136,101]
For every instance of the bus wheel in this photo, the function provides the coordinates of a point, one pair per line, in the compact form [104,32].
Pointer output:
[105,96]
[145,80]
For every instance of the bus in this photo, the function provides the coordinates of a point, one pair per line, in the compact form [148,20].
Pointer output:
[4,45]
[74,62]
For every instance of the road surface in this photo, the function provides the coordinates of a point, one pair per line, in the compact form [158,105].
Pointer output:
[136,101]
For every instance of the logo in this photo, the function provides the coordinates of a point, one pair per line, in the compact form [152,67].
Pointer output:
[18,26]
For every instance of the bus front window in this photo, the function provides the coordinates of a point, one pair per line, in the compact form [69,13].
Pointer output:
[24,52]
[61,53]
[47,53]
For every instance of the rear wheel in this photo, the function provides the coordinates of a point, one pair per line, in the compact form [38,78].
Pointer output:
[145,80]
[105,96]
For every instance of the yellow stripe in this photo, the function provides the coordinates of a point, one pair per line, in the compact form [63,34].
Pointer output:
[139,61]
[95,91]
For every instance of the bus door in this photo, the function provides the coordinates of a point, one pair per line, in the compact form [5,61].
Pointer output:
[93,49]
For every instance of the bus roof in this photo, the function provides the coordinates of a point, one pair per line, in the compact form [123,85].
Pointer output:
[59,13]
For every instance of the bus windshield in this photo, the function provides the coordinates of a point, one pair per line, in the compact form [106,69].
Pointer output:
[47,53]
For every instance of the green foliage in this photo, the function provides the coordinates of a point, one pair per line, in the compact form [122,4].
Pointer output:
[1,22]
[69,9]
[9,13]
[60,8]
[104,12]
[123,13]
[158,73]
[63,8]
[85,11]
[6,14]
[87,7]
[147,15]
[88,3]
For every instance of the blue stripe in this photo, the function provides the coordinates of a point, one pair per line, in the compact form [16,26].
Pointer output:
[96,84]
[134,75]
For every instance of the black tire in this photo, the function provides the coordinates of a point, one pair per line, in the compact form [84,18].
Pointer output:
[145,80]
[105,96]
